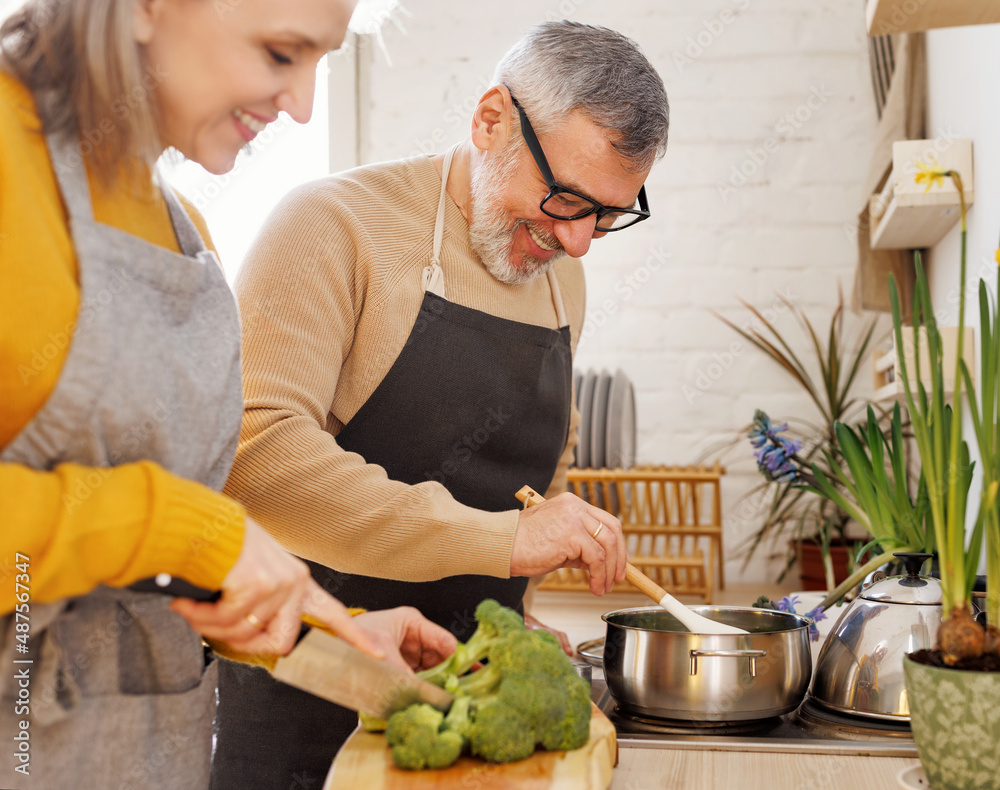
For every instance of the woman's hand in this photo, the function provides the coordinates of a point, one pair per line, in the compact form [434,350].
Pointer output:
[264,596]
[407,638]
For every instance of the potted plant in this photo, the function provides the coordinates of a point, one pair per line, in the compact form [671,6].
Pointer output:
[874,489]
[954,690]
[813,524]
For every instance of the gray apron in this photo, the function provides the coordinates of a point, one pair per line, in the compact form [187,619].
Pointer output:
[121,695]
[462,373]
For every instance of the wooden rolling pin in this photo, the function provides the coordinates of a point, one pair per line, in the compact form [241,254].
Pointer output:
[692,621]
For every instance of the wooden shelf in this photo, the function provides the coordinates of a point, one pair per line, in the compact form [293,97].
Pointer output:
[888,378]
[908,215]
[910,16]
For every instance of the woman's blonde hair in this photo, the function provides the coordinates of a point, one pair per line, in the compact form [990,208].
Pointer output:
[83,65]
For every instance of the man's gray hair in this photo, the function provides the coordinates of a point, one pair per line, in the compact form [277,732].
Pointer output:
[563,66]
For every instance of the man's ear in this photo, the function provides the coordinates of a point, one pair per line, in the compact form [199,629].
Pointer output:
[144,16]
[491,121]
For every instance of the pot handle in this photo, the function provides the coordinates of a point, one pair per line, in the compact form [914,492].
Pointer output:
[753,655]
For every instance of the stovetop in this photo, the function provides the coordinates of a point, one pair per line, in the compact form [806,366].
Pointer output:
[810,728]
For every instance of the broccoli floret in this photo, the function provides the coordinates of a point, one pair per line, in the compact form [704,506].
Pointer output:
[494,621]
[418,741]
[567,721]
[479,683]
[412,723]
[540,698]
[527,695]
[501,733]
[458,720]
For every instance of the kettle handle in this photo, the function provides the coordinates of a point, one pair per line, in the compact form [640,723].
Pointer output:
[912,562]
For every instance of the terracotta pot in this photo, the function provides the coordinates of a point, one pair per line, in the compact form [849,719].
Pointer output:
[811,564]
[955,717]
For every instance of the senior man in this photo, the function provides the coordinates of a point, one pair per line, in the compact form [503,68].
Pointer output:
[408,341]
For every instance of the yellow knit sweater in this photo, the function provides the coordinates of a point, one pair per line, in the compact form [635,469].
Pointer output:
[140,520]
[328,296]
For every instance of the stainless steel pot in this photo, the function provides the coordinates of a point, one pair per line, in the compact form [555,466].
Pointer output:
[655,667]
[860,666]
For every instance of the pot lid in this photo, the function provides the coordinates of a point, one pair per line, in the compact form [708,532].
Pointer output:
[909,589]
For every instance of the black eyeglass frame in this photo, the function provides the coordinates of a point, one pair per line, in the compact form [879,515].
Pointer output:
[535,147]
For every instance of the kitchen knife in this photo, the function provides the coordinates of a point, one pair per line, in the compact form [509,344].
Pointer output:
[328,667]
[325,665]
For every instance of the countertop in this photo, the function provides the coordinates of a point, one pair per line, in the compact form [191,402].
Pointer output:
[660,769]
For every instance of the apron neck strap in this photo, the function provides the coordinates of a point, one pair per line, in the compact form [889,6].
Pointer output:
[557,297]
[433,279]
[188,236]
[71,173]
[442,203]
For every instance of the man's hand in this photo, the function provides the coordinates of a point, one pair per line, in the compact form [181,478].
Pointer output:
[560,533]
[407,638]
[531,624]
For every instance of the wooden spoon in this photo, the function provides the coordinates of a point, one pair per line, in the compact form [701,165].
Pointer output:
[692,621]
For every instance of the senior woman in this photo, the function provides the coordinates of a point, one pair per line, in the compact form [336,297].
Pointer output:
[120,385]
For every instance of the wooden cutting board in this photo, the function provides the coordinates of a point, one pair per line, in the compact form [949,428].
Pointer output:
[364,761]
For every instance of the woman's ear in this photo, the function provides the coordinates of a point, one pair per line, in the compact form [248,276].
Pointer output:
[144,15]
[491,121]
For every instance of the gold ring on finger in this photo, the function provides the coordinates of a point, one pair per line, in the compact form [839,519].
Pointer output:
[600,526]
[254,620]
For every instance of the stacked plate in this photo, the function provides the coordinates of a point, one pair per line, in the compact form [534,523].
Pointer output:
[606,403]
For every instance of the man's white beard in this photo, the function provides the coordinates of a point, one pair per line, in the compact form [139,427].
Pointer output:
[490,236]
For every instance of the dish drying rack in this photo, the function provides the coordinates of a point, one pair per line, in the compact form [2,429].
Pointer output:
[672,520]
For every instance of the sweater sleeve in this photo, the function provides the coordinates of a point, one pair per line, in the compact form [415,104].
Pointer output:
[301,291]
[81,526]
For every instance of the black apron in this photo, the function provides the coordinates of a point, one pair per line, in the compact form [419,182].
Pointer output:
[482,405]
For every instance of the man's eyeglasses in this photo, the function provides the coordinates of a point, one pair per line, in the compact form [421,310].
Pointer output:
[565,203]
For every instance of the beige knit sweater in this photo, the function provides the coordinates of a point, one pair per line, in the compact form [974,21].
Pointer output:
[328,295]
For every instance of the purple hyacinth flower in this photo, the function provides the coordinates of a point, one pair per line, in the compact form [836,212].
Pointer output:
[788,604]
[774,453]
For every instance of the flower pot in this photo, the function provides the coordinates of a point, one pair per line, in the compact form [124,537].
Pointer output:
[955,717]
[811,564]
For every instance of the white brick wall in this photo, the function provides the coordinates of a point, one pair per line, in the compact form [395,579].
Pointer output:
[963,64]
[771,121]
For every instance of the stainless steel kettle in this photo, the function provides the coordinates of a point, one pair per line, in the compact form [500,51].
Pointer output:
[860,666]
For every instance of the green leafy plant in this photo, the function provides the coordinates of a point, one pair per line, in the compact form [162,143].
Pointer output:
[985,420]
[944,454]
[791,510]
[875,490]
